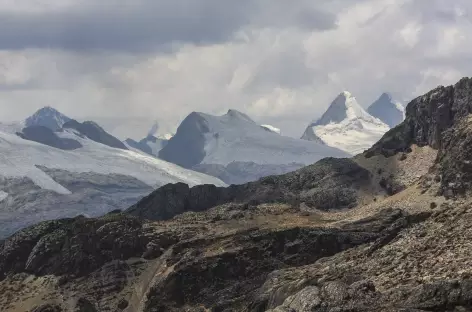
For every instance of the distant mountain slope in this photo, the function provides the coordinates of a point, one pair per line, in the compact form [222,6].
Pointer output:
[48,180]
[203,141]
[94,132]
[150,145]
[346,126]
[44,135]
[47,117]
[387,110]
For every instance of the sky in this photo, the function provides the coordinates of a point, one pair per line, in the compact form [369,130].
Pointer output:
[130,63]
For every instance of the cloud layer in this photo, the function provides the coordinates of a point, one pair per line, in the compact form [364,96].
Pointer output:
[127,64]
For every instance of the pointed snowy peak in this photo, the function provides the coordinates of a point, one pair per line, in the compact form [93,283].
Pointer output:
[343,107]
[388,110]
[47,117]
[346,126]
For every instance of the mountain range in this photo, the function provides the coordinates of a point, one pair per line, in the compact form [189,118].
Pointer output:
[385,230]
[59,167]
[347,126]
[53,166]
[236,149]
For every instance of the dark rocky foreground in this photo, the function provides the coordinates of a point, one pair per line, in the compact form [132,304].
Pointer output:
[324,238]
[207,264]
[329,184]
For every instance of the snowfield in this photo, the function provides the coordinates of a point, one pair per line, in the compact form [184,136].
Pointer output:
[272,128]
[20,158]
[39,182]
[235,136]
[3,196]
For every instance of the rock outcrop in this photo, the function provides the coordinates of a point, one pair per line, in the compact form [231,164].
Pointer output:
[75,246]
[329,184]
[454,163]
[427,117]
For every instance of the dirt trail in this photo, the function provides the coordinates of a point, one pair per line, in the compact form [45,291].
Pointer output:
[155,273]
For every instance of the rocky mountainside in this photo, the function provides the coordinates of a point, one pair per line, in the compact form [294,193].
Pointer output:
[387,110]
[388,230]
[346,125]
[210,144]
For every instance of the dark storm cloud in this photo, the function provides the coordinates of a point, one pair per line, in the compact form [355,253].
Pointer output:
[148,24]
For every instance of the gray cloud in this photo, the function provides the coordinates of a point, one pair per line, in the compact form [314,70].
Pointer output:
[279,62]
[150,24]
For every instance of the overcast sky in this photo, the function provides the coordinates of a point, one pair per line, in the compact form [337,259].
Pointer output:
[127,63]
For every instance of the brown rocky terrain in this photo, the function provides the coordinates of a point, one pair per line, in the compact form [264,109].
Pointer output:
[388,230]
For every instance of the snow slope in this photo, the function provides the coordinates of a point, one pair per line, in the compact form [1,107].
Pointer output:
[388,110]
[20,158]
[3,195]
[40,182]
[346,126]
[221,140]
[272,128]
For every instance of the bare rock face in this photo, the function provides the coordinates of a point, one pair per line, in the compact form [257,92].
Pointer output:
[363,296]
[427,117]
[454,163]
[329,184]
[76,246]
[47,308]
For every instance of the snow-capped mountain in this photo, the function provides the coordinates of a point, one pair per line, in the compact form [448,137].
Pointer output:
[346,126]
[211,143]
[47,117]
[388,110]
[39,181]
[272,128]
